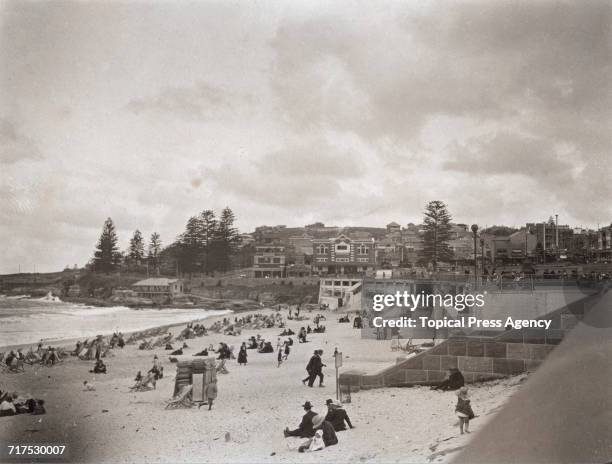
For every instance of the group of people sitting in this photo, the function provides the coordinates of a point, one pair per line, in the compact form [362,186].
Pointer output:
[117,339]
[99,367]
[320,430]
[14,361]
[12,404]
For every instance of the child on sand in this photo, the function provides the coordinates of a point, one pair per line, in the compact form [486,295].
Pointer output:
[464,409]
[211,393]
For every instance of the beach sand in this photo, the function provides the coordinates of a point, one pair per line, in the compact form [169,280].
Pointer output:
[255,403]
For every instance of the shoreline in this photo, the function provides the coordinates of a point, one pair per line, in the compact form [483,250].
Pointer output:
[68,343]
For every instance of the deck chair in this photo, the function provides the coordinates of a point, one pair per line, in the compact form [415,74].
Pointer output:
[182,400]
[146,384]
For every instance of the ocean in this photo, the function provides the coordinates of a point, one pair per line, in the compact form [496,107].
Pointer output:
[25,320]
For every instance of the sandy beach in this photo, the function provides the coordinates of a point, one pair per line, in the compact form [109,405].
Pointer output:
[255,403]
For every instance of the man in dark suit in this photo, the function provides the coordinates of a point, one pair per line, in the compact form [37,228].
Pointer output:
[305,429]
[316,368]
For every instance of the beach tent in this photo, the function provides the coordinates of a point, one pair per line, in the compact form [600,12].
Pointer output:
[200,371]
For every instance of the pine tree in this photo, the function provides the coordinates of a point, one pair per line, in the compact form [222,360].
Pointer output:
[191,246]
[136,249]
[437,234]
[154,251]
[208,231]
[107,256]
[225,240]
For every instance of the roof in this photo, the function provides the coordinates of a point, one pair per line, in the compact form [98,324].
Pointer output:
[393,224]
[157,281]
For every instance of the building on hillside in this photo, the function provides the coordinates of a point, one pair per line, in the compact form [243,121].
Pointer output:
[302,244]
[604,243]
[158,288]
[554,238]
[412,239]
[245,240]
[270,261]
[584,245]
[393,227]
[389,253]
[343,255]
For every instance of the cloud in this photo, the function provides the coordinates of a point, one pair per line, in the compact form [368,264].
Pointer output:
[14,146]
[200,101]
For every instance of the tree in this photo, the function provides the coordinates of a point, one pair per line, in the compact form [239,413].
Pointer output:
[190,246]
[437,234]
[107,256]
[225,240]
[136,250]
[154,251]
[208,231]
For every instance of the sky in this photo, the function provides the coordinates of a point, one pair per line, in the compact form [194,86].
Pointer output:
[345,112]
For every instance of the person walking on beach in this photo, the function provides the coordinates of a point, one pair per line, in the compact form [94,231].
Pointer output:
[319,368]
[211,393]
[279,358]
[242,354]
[316,368]
[309,369]
[463,409]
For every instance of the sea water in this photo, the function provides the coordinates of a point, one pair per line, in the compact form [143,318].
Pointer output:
[26,320]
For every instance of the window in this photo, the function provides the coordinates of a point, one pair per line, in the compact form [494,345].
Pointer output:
[342,260]
[363,249]
[322,249]
[321,260]
[342,247]
[277,260]
[363,260]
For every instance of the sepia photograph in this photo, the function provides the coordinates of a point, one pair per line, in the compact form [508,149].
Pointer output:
[306,231]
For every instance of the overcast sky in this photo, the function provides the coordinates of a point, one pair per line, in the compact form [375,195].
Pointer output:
[351,113]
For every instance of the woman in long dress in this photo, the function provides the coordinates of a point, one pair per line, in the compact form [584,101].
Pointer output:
[242,354]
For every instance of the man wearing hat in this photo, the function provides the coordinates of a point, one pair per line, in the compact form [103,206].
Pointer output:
[305,429]
[336,415]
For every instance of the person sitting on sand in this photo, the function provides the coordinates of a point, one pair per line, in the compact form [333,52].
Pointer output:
[454,381]
[138,379]
[169,347]
[328,434]
[204,352]
[87,386]
[305,429]
[99,367]
[36,407]
[266,348]
[7,408]
[337,416]
[177,352]
[308,329]
[302,335]
[463,409]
